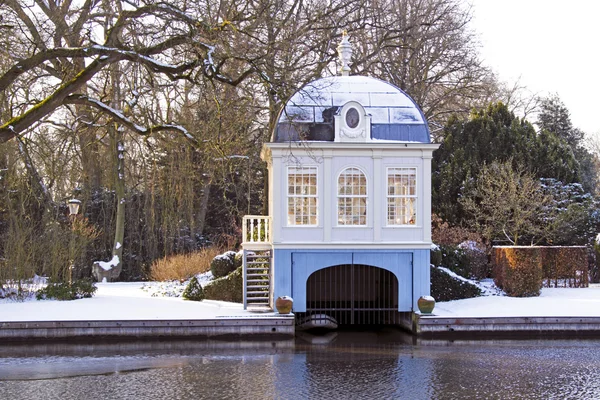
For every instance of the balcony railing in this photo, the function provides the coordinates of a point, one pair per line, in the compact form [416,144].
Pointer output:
[256,231]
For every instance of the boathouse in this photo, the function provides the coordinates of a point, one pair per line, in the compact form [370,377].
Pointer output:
[349,227]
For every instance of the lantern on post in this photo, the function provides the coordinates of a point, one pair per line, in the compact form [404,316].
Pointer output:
[74,206]
[73,211]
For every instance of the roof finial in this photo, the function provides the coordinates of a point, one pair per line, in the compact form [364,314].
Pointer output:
[345,52]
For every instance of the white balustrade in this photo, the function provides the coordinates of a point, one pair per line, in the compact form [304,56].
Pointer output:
[256,230]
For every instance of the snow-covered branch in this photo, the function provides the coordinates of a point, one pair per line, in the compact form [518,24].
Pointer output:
[118,116]
[117,54]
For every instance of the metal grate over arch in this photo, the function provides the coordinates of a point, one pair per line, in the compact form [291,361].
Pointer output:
[354,294]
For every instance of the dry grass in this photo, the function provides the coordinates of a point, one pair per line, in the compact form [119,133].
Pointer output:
[183,266]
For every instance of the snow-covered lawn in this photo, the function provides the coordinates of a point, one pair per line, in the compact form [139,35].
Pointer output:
[117,301]
[559,302]
[129,301]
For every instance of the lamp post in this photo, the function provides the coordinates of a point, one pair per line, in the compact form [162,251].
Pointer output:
[73,211]
[73,207]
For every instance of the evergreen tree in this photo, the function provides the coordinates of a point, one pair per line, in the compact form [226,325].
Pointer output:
[554,117]
[493,134]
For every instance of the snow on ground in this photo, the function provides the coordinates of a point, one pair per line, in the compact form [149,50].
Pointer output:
[553,302]
[117,301]
[129,301]
[487,286]
[174,288]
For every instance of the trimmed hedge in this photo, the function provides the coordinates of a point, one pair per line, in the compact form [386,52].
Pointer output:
[228,288]
[444,287]
[565,266]
[518,270]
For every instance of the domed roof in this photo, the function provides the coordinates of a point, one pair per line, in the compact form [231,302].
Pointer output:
[309,114]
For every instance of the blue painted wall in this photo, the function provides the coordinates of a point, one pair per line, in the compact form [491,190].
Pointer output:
[291,269]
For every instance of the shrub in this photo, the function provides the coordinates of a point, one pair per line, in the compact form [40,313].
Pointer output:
[477,260]
[436,256]
[193,291]
[445,234]
[518,270]
[183,266]
[238,260]
[228,288]
[468,259]
[20,290]
[82,288]
[445,287]
[455,259]
[223,264]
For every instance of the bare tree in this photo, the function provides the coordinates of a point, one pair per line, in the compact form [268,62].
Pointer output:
[506,204]
[427,49]
[62,58]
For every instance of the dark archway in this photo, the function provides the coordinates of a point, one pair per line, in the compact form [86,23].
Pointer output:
[354,294]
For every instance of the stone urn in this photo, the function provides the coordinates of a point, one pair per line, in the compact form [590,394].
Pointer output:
[426,304]
[283,304]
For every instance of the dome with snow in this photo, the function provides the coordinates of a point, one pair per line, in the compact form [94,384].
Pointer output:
[338,107]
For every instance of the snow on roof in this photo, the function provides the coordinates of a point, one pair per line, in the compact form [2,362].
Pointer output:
[386,103]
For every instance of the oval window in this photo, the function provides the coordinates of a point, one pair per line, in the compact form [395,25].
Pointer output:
[352,118]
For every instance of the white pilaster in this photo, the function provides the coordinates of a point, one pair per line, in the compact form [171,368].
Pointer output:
[427,156]
[377,196]
[329,212]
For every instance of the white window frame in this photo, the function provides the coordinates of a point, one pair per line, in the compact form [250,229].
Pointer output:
[353,196]
[392,199]
[307,198]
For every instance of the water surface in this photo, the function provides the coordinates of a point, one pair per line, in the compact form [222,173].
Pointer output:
[347,365]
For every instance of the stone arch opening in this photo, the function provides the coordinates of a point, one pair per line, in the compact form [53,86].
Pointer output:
[354,294]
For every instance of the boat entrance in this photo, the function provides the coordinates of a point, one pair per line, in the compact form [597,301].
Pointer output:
[353,294]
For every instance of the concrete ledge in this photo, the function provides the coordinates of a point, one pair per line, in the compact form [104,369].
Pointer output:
[506,326]
[210,328]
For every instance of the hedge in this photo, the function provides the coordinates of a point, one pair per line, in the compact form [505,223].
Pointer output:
[565,266]
[518,270]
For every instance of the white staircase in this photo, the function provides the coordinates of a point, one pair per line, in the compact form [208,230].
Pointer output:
[257,280]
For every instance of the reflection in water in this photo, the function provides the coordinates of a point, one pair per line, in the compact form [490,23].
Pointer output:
[345,365]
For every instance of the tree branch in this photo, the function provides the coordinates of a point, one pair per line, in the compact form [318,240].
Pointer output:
[117,54]
[127,122]
[18,124]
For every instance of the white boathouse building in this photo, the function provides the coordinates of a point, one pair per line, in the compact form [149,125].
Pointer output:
[349,227]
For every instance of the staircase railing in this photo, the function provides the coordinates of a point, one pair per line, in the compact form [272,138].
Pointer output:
[257,280]
[256,230]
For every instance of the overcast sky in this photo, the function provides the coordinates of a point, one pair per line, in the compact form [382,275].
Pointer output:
[549,46]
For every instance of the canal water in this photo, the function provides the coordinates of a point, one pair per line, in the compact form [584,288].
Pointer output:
[385,364]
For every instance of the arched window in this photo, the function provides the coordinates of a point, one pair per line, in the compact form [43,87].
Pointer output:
[352,197]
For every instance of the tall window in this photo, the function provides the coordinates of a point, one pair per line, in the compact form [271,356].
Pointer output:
[352,197]
[302,195]
[402,196]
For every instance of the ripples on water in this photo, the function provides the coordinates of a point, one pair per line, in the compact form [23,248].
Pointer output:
[348,365]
